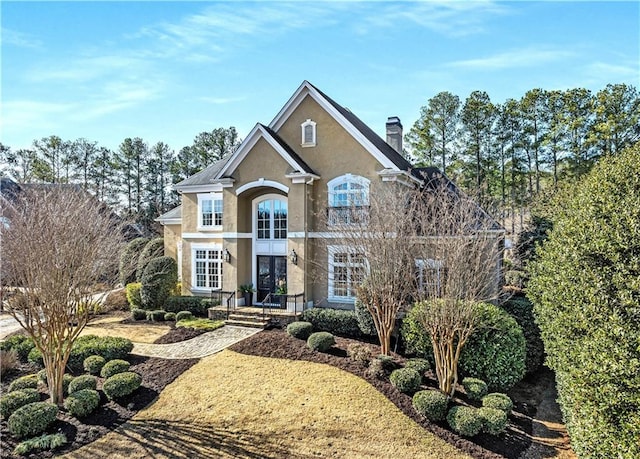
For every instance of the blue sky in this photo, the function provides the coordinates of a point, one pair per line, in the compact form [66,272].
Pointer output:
[165,71]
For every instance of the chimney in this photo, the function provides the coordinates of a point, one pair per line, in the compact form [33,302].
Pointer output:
[394,133]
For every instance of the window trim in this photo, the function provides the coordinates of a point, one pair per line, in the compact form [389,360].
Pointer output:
[332,250]
[437,267]
[303,127]
[331,192]
[213,197]
[194,260]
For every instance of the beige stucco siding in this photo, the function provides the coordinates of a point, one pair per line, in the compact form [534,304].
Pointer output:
[172,235]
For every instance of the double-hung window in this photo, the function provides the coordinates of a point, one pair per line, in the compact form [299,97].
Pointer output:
[347,270]
[207,267]
[348,197]
[210,211]
[431,276]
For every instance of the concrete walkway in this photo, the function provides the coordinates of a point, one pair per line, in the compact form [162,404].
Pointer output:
[198,347]
[8,325]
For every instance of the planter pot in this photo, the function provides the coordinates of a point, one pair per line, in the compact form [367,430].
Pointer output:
[248,298]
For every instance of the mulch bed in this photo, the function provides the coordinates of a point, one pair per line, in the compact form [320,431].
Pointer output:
[511,444]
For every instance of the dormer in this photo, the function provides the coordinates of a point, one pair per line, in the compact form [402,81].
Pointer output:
[308,130]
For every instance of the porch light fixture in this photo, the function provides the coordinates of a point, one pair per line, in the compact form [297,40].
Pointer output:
[293,256]
[226,256]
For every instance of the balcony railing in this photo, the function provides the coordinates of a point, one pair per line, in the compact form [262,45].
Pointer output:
[347,215]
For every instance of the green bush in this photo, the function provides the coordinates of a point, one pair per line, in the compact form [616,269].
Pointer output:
[35,357]
[158,280]
[42,375]
[376,369]
[83,382]
[335,321]
[114,367]
[24,382]
[494,421]
[66,381]
[300,330]
[46,442]
[16,399]
[93,364]
[388,364]
[364,319]
[359,353]
[21,344]
[432,404]
[420,365]
[139,314]
[415,339]
[109,347]
[129,259]
[496,351]
[197,305]
[121,385]
[406,380]
[475,388]
[521,309]
[498,401]
[184,315]
[82,402]
[320,341]
[32,419]
[465,420]
[200,324]
[170,317]
[133,295]
[153,249]
[156,316]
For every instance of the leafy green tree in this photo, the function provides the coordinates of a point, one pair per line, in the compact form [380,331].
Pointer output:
[617,118]
[477,119]
[58,156]
[585,285]
[577,118]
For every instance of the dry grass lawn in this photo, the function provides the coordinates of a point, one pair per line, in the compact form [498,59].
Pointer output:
[234,405]
[139,333]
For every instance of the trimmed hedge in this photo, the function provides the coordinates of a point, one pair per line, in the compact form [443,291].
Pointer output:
[300,330]
[133,295]
[138,314]
[93,364]
[21,344]
[197,305]
[82,402]
[153,249]
[121,385]
[494,421]
[184,315]
[320,341]
[35,357]
[406,380]
[521,309]
[475,388]
[156,316]
[432,404]
[114,367]
[170,317]
[83,382]
[359,353]
[465,420]
[420,365]
[24,382]
[415,339]
[498,401]
[364,319]
[66,381]
[158,281]
[32,419]
[108,347]
[129,259]
[16,399]
[335,321]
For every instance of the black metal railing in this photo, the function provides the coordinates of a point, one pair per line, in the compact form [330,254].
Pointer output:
[222,298]
[286,302]
[348,215]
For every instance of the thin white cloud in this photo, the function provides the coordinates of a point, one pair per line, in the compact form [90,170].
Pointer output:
[517,58]
[610,72]
[19,39]
[24,114]
[83,68]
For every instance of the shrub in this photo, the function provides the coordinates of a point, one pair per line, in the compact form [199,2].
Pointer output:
[300,330]
[129,259]
[496,351]
[494,421]
[184,315]
[497,401]
[376,369]
[415,339]
[114,367]
[334,321]
[93,364]
[24,382]
[406,380]
[66,381]
[475,388]
[82,402]
[153,249]
[116,301]
[432,404]
[16,399]
[42,375]
[364,319]
[138,314]
[109,347]
[159,278]
[133,295]
[388,364]
[9,362]
[32,419]
[420,365]
[21,344]
[465,420]
[321,341]
[35,357]
[83,382]
[121,384]
[200,324]
[46,442]
[521,309]
[156,316]
[196,305]
[359,353]
[170,316]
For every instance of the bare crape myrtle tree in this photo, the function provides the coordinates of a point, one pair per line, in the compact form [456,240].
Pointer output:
[59,244]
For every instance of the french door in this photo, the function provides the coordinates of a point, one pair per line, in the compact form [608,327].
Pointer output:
[272,273]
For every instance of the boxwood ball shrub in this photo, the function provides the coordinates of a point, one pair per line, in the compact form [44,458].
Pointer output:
[121,385]
[359,353]
[521,309]
[336,321]
[32,419]
[415,339]
[129,259]
[158,280]
[24,382]
[432,404]
[170,317]
[196,305]
[16,399]
[498,401]
[93,364]
[21,344]
[133,295]
[388,364]
[113,367]
[153,249]
[184,315]
[83,382]
[300,330]
[364,319]
[465,420]
[320,341]
[138,314]
[35,357]
[109,347]
[66,381]
[475,388]
[82,402]
[406,380]
[156,316]
[494,421]
[420,365]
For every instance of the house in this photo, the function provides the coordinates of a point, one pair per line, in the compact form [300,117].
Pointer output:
[252,217]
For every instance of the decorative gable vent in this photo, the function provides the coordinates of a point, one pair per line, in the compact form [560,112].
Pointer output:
[309,133]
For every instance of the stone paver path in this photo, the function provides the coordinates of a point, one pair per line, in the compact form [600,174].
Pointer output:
[200,346]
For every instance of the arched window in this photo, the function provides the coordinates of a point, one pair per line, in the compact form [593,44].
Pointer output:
[348,197]
[308,133]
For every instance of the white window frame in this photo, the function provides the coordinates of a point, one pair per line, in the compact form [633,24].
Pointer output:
[349,179]
[216,201]
[436,267]
[272,199]
[195,248]
[303,127]
[331,295]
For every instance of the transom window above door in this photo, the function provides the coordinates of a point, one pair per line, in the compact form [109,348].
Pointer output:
[271,219]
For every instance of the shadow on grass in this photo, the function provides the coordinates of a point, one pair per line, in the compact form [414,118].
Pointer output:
[177,440]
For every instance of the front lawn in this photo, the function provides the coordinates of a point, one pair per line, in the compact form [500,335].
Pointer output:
[142,332]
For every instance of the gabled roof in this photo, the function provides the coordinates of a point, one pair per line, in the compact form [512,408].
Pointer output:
[206,176]
[173,215]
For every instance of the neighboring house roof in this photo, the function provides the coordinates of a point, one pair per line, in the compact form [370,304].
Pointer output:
[172,216]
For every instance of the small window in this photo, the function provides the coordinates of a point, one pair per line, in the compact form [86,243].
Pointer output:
[209,210]
[309,134]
